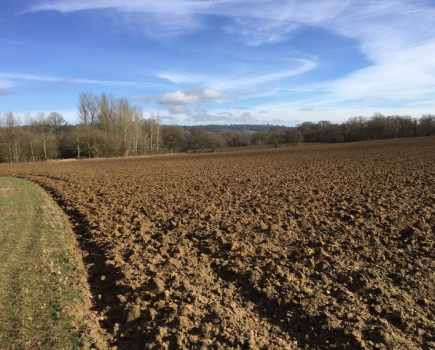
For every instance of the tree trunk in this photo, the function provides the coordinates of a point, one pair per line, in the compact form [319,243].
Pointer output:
[16,152]
[10,153]
[44,142]
[151,139]
[32,151]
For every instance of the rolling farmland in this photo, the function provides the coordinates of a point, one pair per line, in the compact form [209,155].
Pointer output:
[327,246]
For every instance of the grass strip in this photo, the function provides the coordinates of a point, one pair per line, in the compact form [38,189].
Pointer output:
[44,298]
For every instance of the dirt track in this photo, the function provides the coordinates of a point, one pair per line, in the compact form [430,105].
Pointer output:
[327,246]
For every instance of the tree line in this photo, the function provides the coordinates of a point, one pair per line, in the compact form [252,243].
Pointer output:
[360,128]
[112,127]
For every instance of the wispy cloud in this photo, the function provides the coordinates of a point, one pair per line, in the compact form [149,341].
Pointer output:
[6,92]
[177,102]
[402,22]
[202,116]
[247,81]
[196,95]
[256,22]
[177,78]
[177,109]
[400,79]
[60,81]
[53,87]
[383,30]
[274,21]
[158,19]
[5,83]
[396,38]
[302,66]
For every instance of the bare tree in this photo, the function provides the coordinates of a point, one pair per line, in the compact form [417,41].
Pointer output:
[44,129]
[197,138]
[88,115]
[137,131]
[173,137]
[4,147]
[78,136]
[356,128]
[125,123]
[295,137]
[47,127]
[154,133]
[216,140]
[56,120]
[426,125]
[276,135]
[32,136]
[12,137]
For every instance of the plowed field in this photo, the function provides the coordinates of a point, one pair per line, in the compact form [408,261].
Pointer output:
[318,246]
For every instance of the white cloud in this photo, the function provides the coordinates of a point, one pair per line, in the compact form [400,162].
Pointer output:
[404,77]
[202,116]
[383,29]
[289,114]
[254,21]
[395,36]
[5,83]
[183,78]
[162,6]
[253,81]
[19,76]
[295,66]
[142,99]
[257,22]
[155,18]
[8,78]
[277,21]
[191,96]
[398,40]
[177,109]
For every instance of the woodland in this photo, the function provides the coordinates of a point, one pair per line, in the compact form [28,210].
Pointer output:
[113,127]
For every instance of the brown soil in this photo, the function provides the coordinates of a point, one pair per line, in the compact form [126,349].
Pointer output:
[319,246]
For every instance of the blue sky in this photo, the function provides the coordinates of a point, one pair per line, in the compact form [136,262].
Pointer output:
[221,61]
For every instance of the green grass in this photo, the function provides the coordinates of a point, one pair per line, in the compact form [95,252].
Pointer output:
[42,286]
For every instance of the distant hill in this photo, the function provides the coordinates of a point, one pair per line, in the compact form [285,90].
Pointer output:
[248,128]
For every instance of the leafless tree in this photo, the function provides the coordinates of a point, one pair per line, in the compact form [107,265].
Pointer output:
[11,136]
[173,137]
[295,137]
[88,115]
[426,125]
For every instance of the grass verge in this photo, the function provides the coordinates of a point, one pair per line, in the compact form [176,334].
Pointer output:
[44,297]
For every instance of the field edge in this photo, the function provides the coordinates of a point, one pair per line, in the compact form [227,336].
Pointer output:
[45,297]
